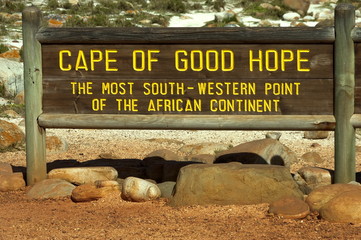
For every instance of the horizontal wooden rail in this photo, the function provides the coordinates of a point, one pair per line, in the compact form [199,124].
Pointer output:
[184,122]
[185,35]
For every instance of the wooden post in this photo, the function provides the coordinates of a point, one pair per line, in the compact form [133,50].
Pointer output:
[35,135]
[344,94]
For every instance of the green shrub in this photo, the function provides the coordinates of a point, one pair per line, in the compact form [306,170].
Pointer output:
[12,6]
[53,4]
[3,48]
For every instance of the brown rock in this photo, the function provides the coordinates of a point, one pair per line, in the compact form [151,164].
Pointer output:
[233,183]
[83,175]
[312,157]
[265,151]
[50,188]
[10,135]
[11,113]
[20,98]
[310,178]
[90,192]
[343,208]
[204,148]
[289,207]
[55,144]
[12,54]
[300,6]
[11,181]
[322,195]
[203,158]
[316,134]
[5,167]
[165,154]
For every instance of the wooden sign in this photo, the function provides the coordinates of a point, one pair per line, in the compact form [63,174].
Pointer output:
[233,79]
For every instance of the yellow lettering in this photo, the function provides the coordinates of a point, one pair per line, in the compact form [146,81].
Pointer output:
[93,59]
[61,60]
[285,59]
[80,62]
[275,60]
[259,60]
[184,66]
[151,59]
[300,60]
[231,60]
[109,60]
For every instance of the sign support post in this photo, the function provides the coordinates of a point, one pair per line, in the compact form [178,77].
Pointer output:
[344,94]
[35,135]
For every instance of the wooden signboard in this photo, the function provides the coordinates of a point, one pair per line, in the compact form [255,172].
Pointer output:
[193,78]
[188,79]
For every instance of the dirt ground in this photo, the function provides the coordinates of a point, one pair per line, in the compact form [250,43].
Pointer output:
[113,218]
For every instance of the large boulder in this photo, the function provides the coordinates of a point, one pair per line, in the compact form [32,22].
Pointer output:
[322,195]
[265,151]
[289,207]
[10,135]
[233,183]
[11,181]
[50,188]
[11,77]
[310,178]
[344,208]
[83,175]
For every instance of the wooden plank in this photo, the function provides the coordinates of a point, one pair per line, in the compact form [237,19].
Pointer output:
[184,122]
[186,35]
[344,94]
[252,96]
[182,61]
[35,135]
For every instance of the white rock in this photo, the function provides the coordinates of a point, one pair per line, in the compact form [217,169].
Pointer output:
[291,16]
[325,14]
[11,76]
[139,190]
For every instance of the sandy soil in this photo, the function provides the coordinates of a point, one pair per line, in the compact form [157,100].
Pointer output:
[113,218]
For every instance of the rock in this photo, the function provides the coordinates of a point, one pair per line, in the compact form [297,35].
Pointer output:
[90,192]
[315,134]
[203,158]
[325,14]
[5,168]
[265,151]
[291,16]
[10,135]
[322,195]
[139,190]
[11,181]
[289,207]
[165,154]
[312,158]
[274,135]
[166,189]
[204,148]
[11,77]
[83,175]
[55,144]
[11,113]
[310,178]
[343,208]
[233,183]
[12,54]
[50,188]
[298,5]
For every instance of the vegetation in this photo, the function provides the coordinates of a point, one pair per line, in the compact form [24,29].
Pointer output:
[3,48]
[12,6]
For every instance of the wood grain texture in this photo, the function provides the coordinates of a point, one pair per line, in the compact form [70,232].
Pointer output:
[186,35]
[35,135]
[184,122]
[315,95]
[344,94]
